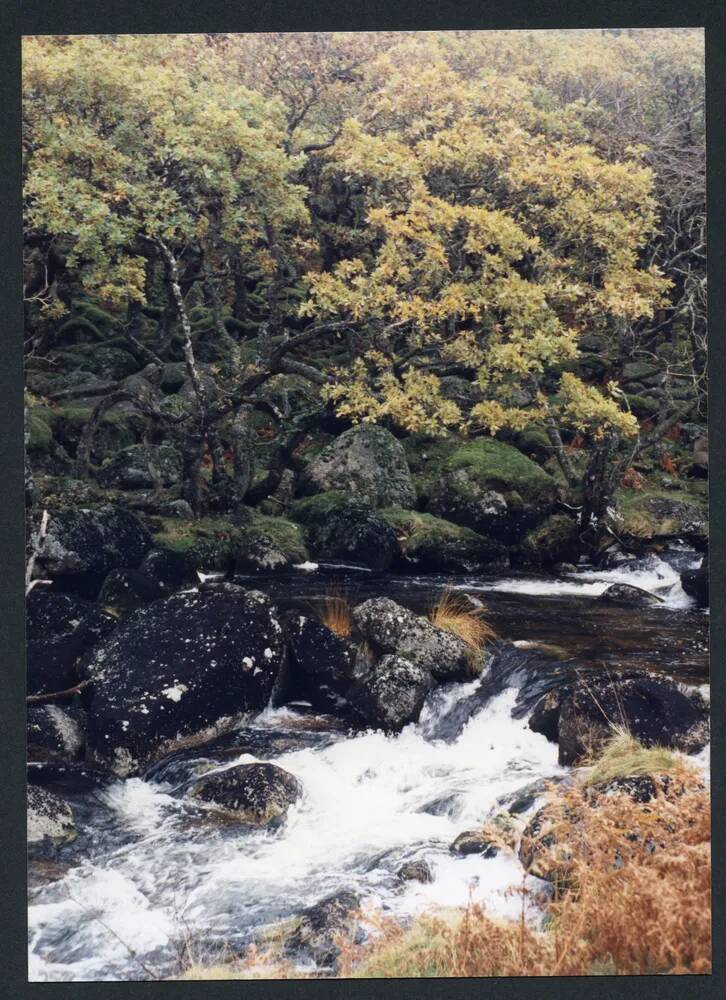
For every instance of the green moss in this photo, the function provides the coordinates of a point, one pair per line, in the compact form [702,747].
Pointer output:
[79,323]
[209,541]
[643,406]
[273,534]
[534,441]
[496,464]
[416,530]
[317,509]
[554,540]
[41,435]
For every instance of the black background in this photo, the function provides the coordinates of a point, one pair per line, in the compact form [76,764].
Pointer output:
[149,16]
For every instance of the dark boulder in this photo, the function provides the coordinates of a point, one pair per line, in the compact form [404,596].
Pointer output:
[625,593]
[322,664]
[141,466]
[48,816]
[126,589]
[59,629]
[315,939]
[391,694]
[166,566]
[391,628]
[474,842]
[90,542]
[695,583]
[179,670]
[55,733]
[655,711]
[346,527]
[259,794]
[415,871]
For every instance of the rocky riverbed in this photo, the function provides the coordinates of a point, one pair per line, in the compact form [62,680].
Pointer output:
[222,806]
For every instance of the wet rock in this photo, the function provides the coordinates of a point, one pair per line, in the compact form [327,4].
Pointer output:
[654,710]
[678,518]
[178,671]
[129,588]
[68,777]
[323,662]
[166,566]
[260,794]
[474,842]
[90,542]
[48,816]
[55,733]
[347,528]
[391,628]
[625,593]
[391,694]
[368,461]
[415,871]
[59,629]
[141,466]
[314,939]
[524,798]
[695,583]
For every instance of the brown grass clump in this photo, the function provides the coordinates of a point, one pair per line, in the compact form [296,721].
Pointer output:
[638,901]
[453,613]
[336,614]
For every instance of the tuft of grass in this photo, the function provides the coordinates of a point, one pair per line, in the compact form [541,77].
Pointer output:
[337,614]
[623,756]
[453,614]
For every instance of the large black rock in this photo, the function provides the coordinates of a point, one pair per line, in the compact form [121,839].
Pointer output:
[178,671]
[259,794]
[655,711]
[315,939]
[391,694]
[90,542]
[322,668]
[60,628]
[695,583]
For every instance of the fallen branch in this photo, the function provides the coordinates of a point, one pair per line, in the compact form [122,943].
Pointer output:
[37,545]
[35,699]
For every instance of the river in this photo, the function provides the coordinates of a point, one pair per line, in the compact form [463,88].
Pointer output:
[149,874]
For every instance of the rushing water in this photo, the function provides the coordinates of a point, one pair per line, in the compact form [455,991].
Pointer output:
[149,871]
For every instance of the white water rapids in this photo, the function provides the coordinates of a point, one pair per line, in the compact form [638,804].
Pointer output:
[152,873]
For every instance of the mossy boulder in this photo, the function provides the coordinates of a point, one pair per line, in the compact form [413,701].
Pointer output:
[344,527]
[204,543]
[270,543]
[141,466]
[257,544]
[365,460]
[432,544]
[40,435]
[555,540]
[489,486]
[643,517]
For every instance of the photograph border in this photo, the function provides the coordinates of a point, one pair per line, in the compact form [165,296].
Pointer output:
[27,17]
